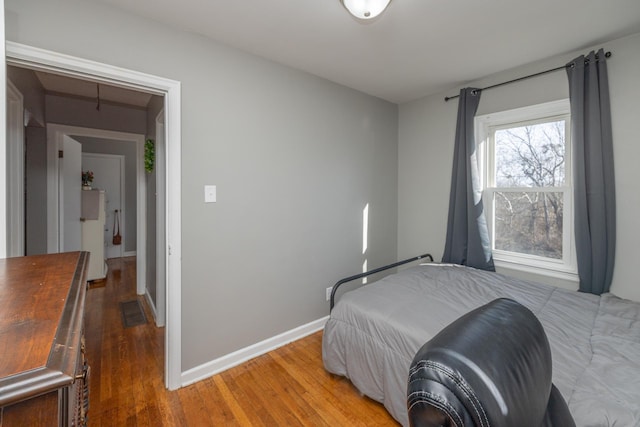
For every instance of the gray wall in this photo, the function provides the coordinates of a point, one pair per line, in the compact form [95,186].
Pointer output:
[35,191]
[128,150]
[32,91]
[295,159]
[427,128]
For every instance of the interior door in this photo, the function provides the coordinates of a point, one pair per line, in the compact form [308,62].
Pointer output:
[70,186]
[108,173]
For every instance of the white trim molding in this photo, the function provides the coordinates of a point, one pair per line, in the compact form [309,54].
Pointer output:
[151,304]
[15,171]
[161,268]
[485,128]
[45,60]
[223,363]
[3,140]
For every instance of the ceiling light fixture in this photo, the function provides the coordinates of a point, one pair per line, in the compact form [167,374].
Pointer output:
[365,9]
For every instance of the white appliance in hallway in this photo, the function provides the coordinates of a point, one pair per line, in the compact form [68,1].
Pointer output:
[93,217]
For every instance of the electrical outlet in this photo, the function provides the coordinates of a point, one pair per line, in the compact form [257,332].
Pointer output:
[328,292]
[209,193]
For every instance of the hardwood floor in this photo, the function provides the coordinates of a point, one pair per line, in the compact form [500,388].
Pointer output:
[287,387]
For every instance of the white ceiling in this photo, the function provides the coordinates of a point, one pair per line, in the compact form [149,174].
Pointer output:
[416,48]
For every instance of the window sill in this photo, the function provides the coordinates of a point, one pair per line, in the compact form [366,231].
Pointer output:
[561,274]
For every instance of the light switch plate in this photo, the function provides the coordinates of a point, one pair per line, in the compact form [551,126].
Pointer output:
[209,193]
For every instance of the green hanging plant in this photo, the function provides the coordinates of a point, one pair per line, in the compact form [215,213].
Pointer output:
[149,155]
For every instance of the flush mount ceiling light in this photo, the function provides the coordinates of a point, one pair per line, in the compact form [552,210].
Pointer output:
[365,9]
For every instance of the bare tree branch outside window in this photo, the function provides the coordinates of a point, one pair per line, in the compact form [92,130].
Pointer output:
[529,176]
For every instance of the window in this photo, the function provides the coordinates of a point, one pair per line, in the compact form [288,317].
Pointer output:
[525,157]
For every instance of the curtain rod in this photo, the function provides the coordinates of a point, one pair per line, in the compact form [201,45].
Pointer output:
[447,98]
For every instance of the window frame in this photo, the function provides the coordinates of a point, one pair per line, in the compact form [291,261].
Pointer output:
[485,127]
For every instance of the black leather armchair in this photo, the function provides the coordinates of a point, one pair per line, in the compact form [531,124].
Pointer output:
[491,367]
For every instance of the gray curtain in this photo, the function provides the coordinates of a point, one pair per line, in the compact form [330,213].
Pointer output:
[467,234]
[594,186]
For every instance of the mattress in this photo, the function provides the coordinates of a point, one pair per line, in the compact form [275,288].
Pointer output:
[374,332]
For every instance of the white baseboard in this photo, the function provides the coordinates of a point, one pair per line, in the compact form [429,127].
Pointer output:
[152,306]
[223,363]
[129,253]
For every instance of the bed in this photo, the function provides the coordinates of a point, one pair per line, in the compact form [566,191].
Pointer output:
[374,332]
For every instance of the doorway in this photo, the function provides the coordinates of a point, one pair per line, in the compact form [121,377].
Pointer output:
[38,59]
[56,135]
[109,173]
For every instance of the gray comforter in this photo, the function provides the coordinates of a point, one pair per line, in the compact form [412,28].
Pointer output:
[374,332]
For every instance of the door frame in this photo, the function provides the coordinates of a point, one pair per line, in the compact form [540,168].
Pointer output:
[15,171]
[160,146]
[44,60]
[55,134]
[122,204]
[3,139]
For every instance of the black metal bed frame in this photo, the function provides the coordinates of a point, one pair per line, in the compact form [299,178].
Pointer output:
[370,272]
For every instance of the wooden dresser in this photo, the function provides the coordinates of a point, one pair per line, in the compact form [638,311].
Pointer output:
[43,372]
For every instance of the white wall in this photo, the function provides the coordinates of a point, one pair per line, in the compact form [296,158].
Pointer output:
[295,158]
[426,135]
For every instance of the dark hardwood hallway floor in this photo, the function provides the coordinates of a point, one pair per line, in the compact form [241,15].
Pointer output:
[287,387]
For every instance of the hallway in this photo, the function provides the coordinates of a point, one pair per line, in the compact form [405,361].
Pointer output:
[126,383]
